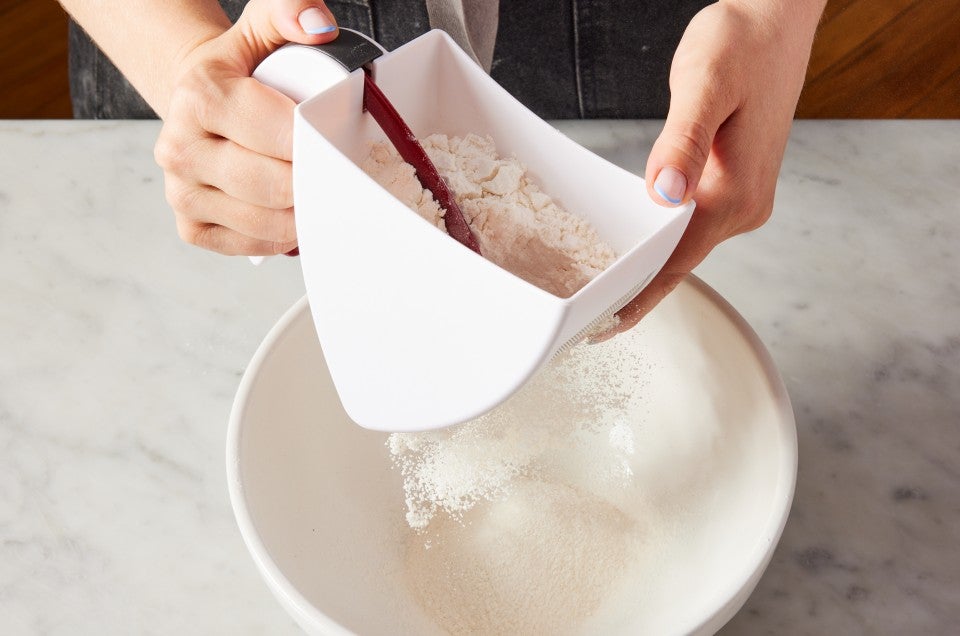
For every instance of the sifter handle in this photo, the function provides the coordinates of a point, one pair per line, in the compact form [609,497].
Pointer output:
[301,71]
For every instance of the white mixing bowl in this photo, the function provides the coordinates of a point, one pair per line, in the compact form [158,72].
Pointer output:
[321,509]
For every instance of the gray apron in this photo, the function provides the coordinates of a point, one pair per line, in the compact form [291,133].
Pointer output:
[564,59]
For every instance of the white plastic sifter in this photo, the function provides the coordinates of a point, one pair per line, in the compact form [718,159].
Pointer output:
[418,331]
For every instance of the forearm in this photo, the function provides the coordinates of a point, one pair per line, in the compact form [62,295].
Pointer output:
[147,39]
[782,29]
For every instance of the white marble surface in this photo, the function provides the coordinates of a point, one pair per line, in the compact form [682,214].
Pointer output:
[120,350]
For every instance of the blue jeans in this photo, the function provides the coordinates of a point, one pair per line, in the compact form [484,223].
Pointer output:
[564,59]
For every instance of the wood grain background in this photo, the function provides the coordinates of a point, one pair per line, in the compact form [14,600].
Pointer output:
[885,59]
[871,59]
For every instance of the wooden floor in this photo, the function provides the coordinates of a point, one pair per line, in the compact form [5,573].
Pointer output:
[871,59]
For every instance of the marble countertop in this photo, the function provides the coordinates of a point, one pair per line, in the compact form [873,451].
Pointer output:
[121,349]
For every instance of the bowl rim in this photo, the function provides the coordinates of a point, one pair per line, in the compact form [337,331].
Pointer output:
[728,598]
[737,591]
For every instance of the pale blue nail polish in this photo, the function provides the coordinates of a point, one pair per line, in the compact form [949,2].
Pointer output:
[671,185]
[313,21]
[321,30]
[666,196]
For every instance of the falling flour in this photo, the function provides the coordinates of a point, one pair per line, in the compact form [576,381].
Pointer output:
[567,424]
[514,526]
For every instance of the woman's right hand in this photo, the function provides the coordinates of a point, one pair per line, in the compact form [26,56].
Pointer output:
[226,142]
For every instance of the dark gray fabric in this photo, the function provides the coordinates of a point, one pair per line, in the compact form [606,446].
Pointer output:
[590,59]
[396,22]
[625,52]
[99,91]
[534,56]
[564,59]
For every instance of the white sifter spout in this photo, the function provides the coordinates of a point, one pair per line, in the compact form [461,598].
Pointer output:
[418,331]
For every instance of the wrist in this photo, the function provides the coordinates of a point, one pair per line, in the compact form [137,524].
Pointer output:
[795,16]
[148,40]
[785,28]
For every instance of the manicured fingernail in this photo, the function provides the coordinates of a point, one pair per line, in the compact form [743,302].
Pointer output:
[671,184]
[314,21]
[294,252]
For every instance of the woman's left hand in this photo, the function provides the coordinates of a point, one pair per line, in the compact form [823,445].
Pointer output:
[735,81]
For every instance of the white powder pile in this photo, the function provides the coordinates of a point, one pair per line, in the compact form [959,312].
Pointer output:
[519,228]
[516,530]
[520,516]
[540,562]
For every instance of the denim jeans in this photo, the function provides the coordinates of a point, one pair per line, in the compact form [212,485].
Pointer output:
[564,59]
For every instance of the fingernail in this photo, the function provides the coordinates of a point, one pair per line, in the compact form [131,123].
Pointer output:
[294,252]
[671,184]
[314,21]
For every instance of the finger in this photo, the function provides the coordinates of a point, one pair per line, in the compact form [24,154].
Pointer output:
[265,25]
[239,172]
[249,113]
[211,102]
[698,106]
[706,229]
[229,242]
[209,206]
[254,178]
[631,313]
[658,289]
[244,110]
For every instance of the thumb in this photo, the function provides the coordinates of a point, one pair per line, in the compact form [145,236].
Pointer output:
[266,25]
[681,151]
